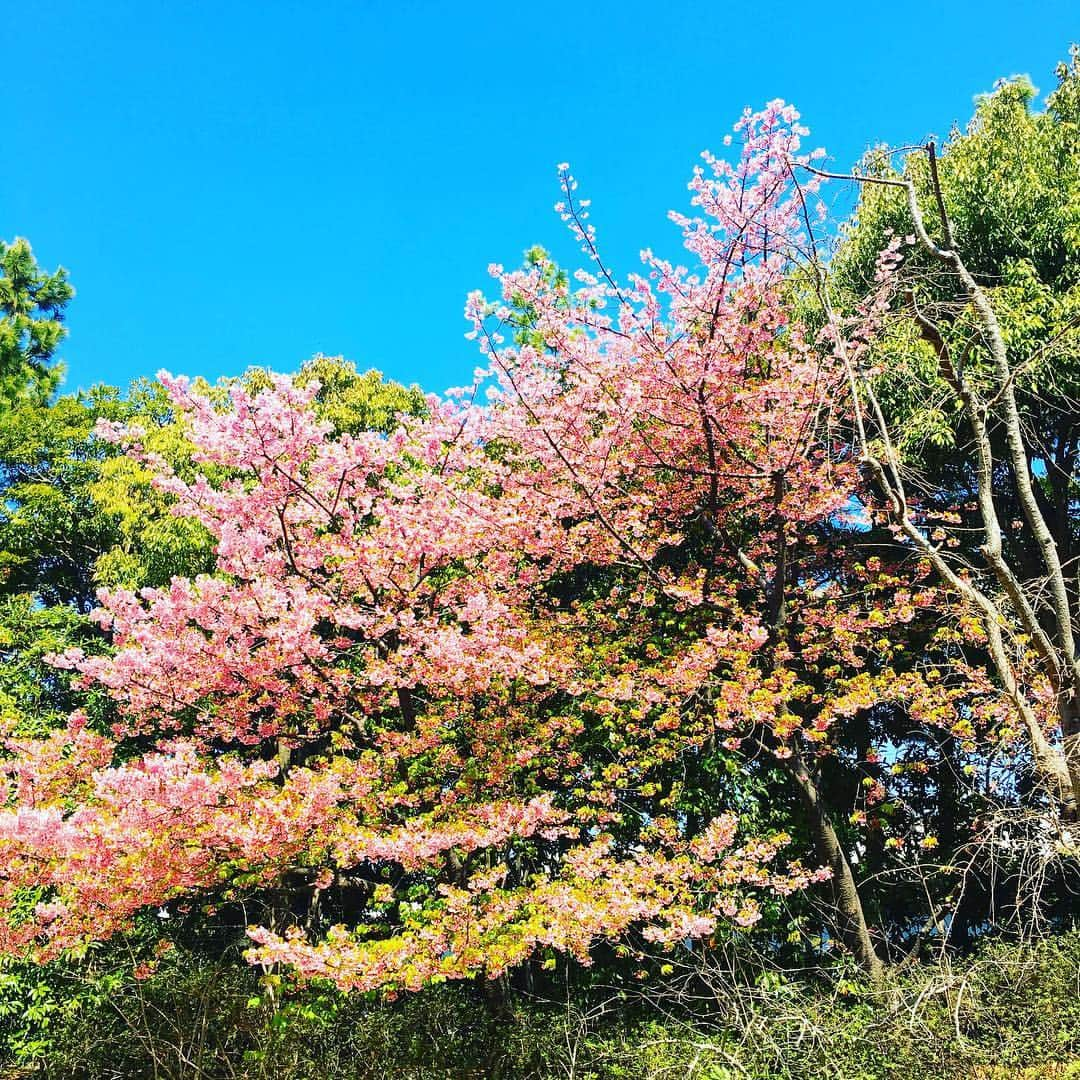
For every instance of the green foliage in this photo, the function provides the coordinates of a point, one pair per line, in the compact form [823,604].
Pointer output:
[35,697]
[1011,188]
[1010,1011]
[355,402]
[77,513]
[32,306]
[523,316]
[350,400]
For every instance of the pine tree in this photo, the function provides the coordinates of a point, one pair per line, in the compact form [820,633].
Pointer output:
[32,306]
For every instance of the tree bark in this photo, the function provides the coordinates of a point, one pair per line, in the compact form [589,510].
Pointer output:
[852,919]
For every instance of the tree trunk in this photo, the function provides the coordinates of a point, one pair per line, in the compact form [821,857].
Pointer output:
[1070,730]
[853,928]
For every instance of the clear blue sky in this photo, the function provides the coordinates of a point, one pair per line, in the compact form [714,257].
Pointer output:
[250,183]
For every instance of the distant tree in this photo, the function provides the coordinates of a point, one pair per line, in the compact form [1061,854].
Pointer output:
[32,304]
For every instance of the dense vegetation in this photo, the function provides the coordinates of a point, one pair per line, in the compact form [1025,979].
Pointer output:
[697,694]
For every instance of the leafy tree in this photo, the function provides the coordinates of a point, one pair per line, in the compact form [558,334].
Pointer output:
[76,514]
[960,273]
[32,304]
[354,402]
[975,372]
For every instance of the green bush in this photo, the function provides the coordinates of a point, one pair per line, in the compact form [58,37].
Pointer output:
[1010,1011]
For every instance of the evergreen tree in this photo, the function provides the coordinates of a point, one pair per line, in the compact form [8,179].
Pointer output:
[32,304]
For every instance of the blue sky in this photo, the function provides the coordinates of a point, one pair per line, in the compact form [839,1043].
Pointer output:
[250,183]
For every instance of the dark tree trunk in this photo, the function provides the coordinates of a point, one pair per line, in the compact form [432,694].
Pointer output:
[850,915]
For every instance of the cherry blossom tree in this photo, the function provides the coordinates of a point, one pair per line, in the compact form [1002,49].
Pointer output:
[467,668]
